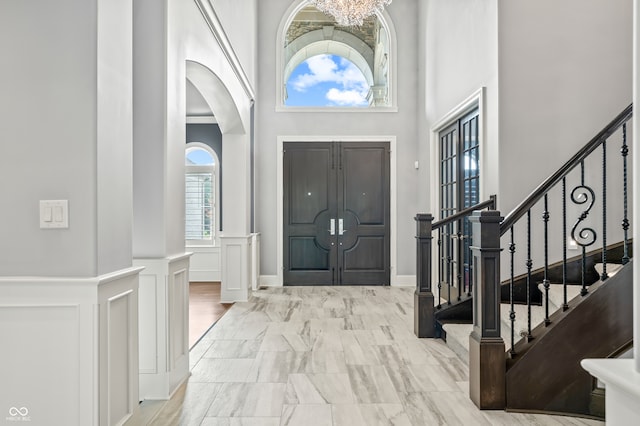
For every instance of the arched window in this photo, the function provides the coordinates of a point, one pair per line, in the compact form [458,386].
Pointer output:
[201,191]
[324,64]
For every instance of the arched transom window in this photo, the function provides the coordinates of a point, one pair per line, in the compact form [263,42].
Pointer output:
[329,65]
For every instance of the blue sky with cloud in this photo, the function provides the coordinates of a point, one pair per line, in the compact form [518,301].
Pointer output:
[327,80]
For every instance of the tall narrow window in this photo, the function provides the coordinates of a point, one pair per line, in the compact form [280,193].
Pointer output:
[459,170]
[200,184]
[459,189]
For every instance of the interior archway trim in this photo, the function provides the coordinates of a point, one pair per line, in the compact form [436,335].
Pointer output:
[217,96]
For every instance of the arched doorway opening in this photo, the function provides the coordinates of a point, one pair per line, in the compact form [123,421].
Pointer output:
[210,113]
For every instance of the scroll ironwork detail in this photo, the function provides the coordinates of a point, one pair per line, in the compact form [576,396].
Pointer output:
[585,236]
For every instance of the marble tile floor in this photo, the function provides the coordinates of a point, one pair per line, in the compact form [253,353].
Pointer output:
[307,356]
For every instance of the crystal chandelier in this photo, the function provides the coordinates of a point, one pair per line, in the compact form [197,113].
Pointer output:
[350,12]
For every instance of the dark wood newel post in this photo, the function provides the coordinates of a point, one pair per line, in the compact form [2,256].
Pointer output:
[424,322]
[487,360]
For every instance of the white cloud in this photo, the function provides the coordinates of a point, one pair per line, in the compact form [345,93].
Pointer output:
[347,97]
[323,69]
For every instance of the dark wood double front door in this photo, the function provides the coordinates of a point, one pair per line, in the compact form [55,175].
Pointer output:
[336,213]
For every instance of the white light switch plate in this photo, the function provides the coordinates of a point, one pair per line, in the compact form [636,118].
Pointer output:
[54,214]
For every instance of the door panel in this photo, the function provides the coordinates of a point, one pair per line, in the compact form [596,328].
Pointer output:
[309,204]
[367,253]
[347,183]
[306,254]
[363,193]
[309,184]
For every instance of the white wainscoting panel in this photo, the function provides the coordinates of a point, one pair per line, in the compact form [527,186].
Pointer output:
[179,322]
[204,264]
[40,341]
[164,325]
[255,261]
[69,351]
[148,321]
[118,337]
[121,327]
[236,270]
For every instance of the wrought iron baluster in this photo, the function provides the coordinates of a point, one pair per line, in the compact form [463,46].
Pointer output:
[604,274]
[545,281]
[529,265]
[584,290]
[565,305]
[440,268]
[625,221]
[460,259]
[449,263]
[586,236]
[512,313]
[470,293]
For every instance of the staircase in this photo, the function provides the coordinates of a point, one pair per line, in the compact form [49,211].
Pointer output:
[523,333]
[457,334]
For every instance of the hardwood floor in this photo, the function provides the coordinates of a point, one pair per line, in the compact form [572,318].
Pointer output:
[204,308]
[307,356]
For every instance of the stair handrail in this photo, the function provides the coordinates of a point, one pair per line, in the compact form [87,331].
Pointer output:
[521,209]
[487,204]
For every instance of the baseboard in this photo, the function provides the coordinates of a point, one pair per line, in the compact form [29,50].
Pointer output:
[269,281]
[405,281]
[400,281]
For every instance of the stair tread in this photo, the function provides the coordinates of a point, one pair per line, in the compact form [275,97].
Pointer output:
[556,295]
[458,334]
[521,321]
[612,268]
[458,339]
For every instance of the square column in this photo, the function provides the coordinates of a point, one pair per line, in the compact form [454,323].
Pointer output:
[164,325]
[423,301]
[487,359]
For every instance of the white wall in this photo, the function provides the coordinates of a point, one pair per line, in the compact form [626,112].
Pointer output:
[565,72]
[462,57]
[55,125]
[271,124]
[65,54]
[423,197]
[240,21]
